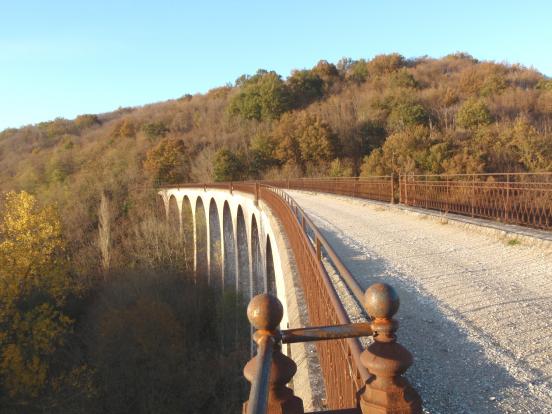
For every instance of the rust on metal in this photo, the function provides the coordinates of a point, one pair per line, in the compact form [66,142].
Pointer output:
[386,391]
[322,333]
[270,370]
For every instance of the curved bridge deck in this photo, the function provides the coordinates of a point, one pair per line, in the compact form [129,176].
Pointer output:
[475,309]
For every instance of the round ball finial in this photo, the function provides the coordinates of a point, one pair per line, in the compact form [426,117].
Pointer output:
[265,312]
[381,301]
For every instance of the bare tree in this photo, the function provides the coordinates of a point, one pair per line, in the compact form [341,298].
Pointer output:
[104,232]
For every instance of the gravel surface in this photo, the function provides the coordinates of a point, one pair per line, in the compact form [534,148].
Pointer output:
[475,310]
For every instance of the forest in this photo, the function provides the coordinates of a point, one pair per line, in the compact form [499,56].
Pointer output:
[84,253]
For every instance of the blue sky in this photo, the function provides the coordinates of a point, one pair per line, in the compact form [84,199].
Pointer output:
[64,58]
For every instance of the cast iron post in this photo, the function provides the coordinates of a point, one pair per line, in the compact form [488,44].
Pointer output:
[386,392]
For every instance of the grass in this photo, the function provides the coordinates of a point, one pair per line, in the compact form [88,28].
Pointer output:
[513,242]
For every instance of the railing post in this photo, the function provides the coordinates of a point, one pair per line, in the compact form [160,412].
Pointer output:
[231,187]
[473,197]
[318,249]
[386,390]
[507,206]
[406,189]
[270,370]
[392,188]
[400,188]
[447,195]
[257,193]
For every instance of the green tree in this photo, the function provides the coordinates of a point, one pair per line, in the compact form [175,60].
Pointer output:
[168,162]
[263,149]
[227,166]
[262,96]
[473,114]
[406,114]
[305,87]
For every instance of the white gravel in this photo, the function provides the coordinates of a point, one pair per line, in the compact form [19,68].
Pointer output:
[475,310]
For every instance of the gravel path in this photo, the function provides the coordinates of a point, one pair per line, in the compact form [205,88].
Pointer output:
[475,311]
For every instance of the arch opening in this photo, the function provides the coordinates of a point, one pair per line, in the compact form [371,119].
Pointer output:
[244,274]
[215,247]
[257,280]
[229,250]
[187,223]
[201,239]
[174,219]
[270,272]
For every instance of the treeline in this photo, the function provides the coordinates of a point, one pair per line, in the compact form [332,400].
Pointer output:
[145,338]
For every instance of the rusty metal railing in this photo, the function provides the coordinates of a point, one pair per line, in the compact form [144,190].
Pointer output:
[386,391]
[380,188]
[517,198]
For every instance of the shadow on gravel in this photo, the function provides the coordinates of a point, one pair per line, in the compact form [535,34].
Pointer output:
[451,373]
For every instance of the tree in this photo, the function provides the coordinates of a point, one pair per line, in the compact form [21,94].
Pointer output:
[124,129]
[316,139]
[87,121]
[305,87]
[262,96]
[154,130]
[473,114]
[227,166]
[406,114]
[262,149]
[35,286]
[304,138]
[385,64]
[168,162]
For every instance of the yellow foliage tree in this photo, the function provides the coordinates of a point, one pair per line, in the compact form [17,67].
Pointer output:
[35,285]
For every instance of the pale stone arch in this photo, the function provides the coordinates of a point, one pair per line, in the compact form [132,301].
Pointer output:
[215,246]
[229,245]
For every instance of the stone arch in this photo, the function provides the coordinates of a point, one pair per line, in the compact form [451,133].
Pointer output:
[244,274]
[257,280]
[270,272]
[187,225]
[215,246]
[229,250]
[200,239]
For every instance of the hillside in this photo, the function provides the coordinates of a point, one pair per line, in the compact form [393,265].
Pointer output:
[388,114]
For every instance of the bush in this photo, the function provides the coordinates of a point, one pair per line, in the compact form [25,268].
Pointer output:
[154,130]
[228,166]
[473,114]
